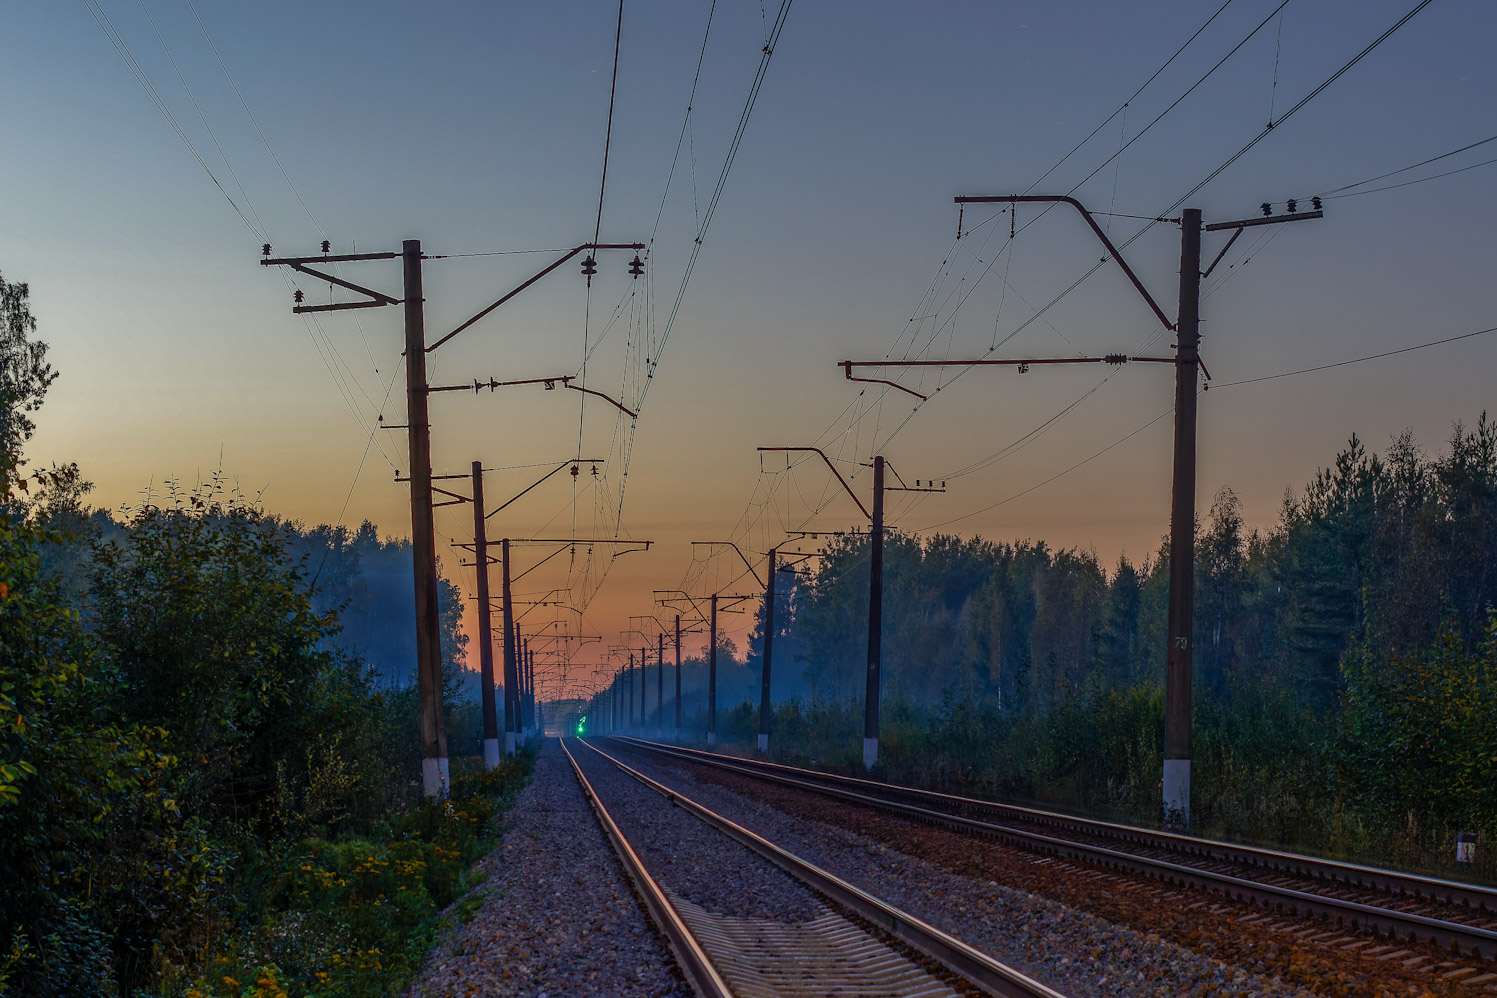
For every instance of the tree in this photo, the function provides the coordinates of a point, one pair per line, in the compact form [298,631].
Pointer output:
[25,374]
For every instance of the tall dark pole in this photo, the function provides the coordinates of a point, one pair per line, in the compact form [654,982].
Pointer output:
[524,645]
[511,673]
[434,776]
[485,626]
[1177,678]
[629,694]
[875,616]
[660,683]
[529,691]
[677,730]
[712,675]
[764,708]
[644,689]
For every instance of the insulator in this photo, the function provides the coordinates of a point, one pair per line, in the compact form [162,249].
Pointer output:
[943,485]
[1291,204]
[1267,208]
[1023,368]
[1315,202]
[265,249]
[1116,358]
[636,266]
[576,471]
[297,296]
[595,470]
[589,265]
[550,386]
[326,246]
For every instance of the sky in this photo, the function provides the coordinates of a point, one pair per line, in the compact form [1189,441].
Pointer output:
[479,128]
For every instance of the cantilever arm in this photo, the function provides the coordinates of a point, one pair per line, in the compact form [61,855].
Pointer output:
[1112,250]
[747,564]
[607,398]
[527,283]
[829,464]
[846,366]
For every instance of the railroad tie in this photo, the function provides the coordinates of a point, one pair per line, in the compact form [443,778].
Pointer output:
[829,955]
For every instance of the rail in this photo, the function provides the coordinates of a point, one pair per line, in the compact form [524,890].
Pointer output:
[978,968]
[1388,921]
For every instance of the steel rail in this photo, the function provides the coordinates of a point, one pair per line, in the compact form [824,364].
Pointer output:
[1386,921]
[975,966]
[690,955]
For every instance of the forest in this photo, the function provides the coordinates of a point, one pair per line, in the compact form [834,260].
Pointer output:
[208,750]
[208,742]
[1345,666]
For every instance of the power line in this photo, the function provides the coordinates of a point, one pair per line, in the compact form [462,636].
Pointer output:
[1357,360]
[1423,162]
[608,134]
[123,49]
[245,104]
[1059,474]
[1421,180]
[264,232]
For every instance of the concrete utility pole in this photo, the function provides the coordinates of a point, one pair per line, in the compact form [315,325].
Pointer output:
[435,779]
[676,734]
[712,675]
[485,631]
[660,685]
[434,768]
[875,579]
[1187,359]
[511,672]
[875,617]
[629,693]
[1178,657]
[764,704]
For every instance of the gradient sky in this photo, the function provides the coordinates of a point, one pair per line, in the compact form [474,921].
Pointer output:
[479,127]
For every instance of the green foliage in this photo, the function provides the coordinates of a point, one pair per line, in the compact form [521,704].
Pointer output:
[25,374]
[1417,730]
[353,917]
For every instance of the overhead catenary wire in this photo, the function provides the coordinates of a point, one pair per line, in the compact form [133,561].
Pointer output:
[1411,183]
[1414,166]
[123,49]
[1356,360]
[1345,67]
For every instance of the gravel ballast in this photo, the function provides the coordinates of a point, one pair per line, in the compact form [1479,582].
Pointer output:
[558,916]
[1073,951]
[689,858]
[761,927]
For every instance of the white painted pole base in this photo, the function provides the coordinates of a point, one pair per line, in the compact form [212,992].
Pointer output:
[870,753]
[712,738]
[434,779]
[1465,848]
[509,743]
[491,753]
[763,743]
[1177,793]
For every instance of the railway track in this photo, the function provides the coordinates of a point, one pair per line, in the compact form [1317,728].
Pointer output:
[868,947]
[1392,905]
